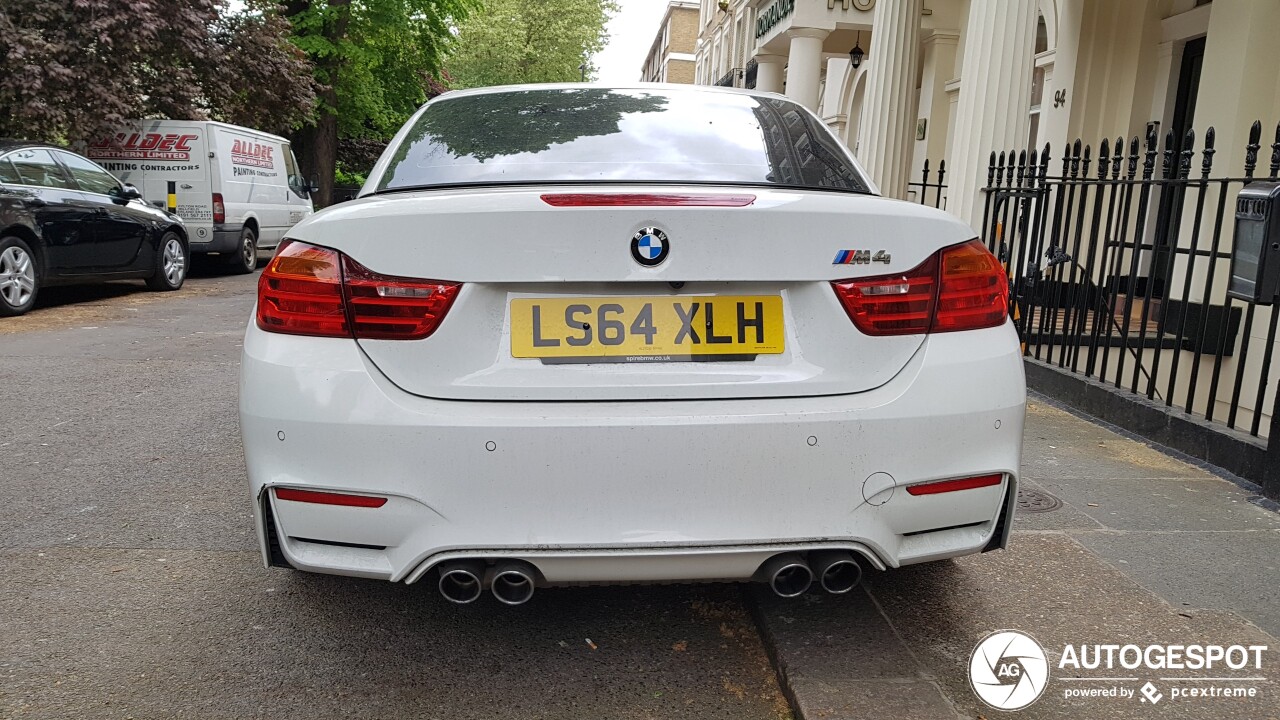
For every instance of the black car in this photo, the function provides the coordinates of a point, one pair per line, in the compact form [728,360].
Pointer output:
[65,220]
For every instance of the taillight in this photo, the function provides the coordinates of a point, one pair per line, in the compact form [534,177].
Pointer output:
[961,287]
[219,209]
[310,290]
[384,307]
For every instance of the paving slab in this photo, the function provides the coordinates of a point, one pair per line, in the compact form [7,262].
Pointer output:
[1057,445]
[1051,587]
[1236,571]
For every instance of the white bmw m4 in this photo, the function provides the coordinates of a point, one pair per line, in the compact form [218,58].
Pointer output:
[572,334]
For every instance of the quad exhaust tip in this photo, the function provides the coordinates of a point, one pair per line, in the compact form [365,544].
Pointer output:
[837,570]
[787,574]
[513,582]
[462,581]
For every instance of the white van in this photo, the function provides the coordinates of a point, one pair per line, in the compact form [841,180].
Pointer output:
[239,190]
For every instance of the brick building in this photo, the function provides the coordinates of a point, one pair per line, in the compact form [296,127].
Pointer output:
[671,58]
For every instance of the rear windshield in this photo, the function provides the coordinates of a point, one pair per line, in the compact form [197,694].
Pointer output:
[602,135]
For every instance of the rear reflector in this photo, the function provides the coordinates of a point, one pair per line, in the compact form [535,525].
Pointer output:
[646,200]
[945,486]
[329,498]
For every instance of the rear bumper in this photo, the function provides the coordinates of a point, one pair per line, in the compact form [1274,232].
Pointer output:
[221,239]
[628,491]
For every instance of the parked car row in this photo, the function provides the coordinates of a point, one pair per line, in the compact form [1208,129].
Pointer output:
[144,200]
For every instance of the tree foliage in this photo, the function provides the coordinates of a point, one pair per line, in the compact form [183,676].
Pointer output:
[69,70]
[375,61]
[517,41]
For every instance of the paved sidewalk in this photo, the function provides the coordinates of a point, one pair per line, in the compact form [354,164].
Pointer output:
[1145,549]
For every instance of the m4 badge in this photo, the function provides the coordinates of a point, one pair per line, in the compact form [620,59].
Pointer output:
[860,257]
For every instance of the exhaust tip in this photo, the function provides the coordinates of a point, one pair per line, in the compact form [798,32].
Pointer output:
[787,575]
[461,582]
[838,571]
[513,583]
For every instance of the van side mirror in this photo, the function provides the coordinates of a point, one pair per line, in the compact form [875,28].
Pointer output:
[313,186]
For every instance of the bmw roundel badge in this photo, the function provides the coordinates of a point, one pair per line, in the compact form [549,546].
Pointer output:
[649,246]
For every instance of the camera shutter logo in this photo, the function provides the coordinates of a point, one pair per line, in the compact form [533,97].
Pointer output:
[1008,670]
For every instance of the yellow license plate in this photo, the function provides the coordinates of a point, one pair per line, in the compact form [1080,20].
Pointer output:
[646,329]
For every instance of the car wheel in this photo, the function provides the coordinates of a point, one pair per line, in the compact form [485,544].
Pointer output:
[19,281]
[245,259]
[172,263]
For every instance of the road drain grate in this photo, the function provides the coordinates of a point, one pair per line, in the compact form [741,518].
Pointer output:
[1036,501]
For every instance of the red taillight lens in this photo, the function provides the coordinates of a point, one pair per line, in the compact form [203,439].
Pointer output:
[219,209]
[946,486]
[892,304]
[384,307]
[961,287]
[309,290]
[973,290]
[300,292]
[330,498]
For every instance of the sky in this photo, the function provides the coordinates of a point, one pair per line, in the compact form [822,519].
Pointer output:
[631,32]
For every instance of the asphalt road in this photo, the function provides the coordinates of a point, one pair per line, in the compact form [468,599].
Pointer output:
[130,585]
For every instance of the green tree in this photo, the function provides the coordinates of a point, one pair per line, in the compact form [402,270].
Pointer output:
[374,61]
[70,70]
[517,41]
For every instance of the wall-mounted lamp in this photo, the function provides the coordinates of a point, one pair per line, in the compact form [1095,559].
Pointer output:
[855,55]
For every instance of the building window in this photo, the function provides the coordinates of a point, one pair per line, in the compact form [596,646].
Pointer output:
[1037,84]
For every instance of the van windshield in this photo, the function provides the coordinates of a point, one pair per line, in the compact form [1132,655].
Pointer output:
[580,135]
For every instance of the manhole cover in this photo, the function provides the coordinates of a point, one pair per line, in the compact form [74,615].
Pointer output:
[1036,501]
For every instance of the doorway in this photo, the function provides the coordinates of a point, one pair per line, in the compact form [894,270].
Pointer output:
[1170,213]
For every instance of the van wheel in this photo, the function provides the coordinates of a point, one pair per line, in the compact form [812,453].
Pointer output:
[172,263]
[19,281]
[245,259]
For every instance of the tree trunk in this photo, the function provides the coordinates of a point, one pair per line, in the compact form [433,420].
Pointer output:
[319,149]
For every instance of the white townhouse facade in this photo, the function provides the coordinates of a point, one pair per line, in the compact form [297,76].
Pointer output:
[956,79]
[1137,297]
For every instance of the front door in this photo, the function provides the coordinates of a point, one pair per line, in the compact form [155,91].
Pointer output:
[119,233]
[64,217]
[1168,221]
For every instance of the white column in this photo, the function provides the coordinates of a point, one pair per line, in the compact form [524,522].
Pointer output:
[1055,119]
[938,67]
[804,65]
[769,73]
[833,111]
[886,130]
[995,94]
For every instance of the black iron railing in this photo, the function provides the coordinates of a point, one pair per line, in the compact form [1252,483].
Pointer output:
[730,78]
[1118,267]
[922,188]
[749,77]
